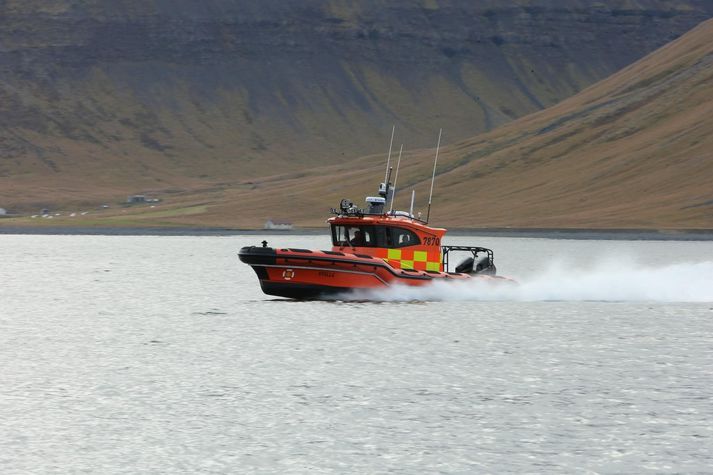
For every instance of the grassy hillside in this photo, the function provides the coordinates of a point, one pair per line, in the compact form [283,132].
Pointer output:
[101,99]
[633,151]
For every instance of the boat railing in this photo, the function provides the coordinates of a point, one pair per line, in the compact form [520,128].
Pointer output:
[360,213]
[475,251]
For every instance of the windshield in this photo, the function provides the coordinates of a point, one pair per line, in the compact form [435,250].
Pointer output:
[373,236]
[353,236]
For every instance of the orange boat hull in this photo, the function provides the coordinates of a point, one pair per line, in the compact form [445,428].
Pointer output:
[313,274]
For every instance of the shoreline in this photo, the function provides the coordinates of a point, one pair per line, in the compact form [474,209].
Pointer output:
[542,233]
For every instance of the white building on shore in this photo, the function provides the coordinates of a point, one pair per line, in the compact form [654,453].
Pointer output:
[276,224]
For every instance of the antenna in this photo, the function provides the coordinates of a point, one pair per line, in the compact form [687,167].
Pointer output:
[433,178]
[387,187]
[388,160]
[396,178]
[413,197]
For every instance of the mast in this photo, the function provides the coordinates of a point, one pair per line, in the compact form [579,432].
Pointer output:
[388,159]
[396,178]
[386,189]
[433,178]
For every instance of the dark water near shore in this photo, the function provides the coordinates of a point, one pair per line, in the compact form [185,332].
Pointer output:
[160,355]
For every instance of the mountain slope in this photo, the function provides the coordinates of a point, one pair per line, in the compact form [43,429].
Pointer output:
[99,98]
[633,151]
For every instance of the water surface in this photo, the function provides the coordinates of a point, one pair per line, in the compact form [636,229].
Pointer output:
[161,355]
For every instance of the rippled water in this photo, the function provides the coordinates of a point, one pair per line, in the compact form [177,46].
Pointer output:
[161,355]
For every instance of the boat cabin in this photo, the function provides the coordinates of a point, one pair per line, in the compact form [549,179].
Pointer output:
[399,240]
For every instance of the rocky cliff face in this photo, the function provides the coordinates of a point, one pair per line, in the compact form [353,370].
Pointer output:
[162,92]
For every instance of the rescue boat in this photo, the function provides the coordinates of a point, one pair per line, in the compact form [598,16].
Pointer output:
[371,248]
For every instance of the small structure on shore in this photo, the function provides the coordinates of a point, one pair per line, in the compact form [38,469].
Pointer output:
[133,199]
[136,199]
[277,224]
[3,211]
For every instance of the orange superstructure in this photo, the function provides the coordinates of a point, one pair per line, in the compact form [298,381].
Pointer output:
[402,242]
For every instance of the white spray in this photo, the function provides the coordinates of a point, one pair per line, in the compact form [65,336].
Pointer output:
[616,282]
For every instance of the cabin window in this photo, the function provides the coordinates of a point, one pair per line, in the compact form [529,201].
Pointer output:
[373,236]
[354,236]
[400,237]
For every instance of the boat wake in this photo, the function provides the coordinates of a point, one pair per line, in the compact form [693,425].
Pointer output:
[607,282]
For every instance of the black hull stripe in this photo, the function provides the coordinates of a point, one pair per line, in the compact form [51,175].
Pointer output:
[301,291]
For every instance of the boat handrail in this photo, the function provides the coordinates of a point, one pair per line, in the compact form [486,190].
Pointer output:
[475,250]
[361,213]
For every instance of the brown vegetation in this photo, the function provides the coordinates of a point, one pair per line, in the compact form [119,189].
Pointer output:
[632,151]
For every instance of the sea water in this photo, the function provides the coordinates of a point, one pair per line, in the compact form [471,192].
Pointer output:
[146,354]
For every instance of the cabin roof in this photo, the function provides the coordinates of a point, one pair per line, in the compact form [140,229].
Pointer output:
[385,220]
